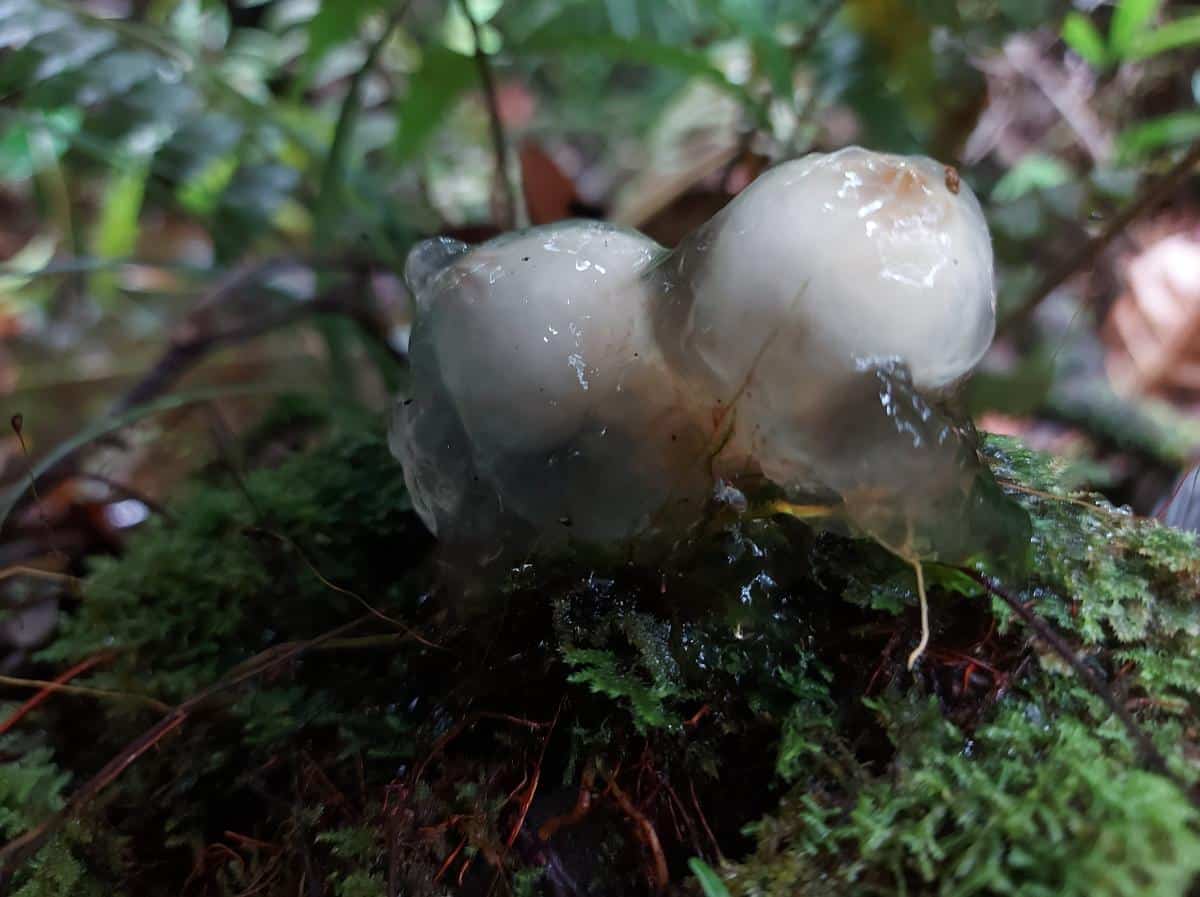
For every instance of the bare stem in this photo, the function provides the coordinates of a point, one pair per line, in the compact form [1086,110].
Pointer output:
[512,212]
[84,691]
[924,601]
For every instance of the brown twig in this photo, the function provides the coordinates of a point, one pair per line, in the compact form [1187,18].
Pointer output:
[512,212]
[533,786]
[66,579]
[583,806]
[252,843]
[197,337]
[55,685]
[405,630]
[660,875]
[450,860]
[462,725]
[1150,754]
[223,440]
[1154,194]
[704,821]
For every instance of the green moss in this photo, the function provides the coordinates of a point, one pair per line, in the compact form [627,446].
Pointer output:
[1120,583]
[243,563]
[32,786]
[360,849]
[1029,804]
[748,688]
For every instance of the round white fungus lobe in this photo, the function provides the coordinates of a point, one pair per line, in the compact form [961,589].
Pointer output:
[579,381]
[856,255]
[821,267]
[534,365]
[531,327]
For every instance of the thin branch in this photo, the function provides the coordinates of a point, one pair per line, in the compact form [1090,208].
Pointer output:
[42,696]
[659,873]
[512,213]
[223,439]
[59,461]
[66,579]
[1154,194]
[193,342]
[1150,754]
[51,686]
[405,630]
[195,338]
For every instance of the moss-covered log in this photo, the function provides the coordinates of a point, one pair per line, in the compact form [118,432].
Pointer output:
[591,724]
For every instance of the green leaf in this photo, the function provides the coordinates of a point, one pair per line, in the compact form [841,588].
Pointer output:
[950,579]
[117,230]
[560,38]
[1035,171]
[1168,130]
[1129,22]
[623,16]
[24,266]
[458,35]
[336,23]
[1081,36]
[1183,32]
[776,63]
[710,882]
[29,144]
[432,89]
[602,674]
[201,193]
[115,234]
[750,18]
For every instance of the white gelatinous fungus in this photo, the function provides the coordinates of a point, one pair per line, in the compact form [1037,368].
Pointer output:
[580,380]
[852,255]
[820,267]
[539,393]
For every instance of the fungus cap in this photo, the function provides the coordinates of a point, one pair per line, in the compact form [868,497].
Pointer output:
[536,372]
[851,256]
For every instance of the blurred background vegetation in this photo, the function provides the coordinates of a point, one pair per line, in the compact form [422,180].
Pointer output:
[243,179]
[240,181]
[205,205]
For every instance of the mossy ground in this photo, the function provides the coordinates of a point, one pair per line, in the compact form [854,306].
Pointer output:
[589,725]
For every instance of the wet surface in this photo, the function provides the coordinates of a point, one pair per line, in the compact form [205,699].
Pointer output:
[577,382]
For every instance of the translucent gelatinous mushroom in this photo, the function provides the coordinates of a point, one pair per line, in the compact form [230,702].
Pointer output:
[579,380]
[539,391]
[852,255]
[820,267]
